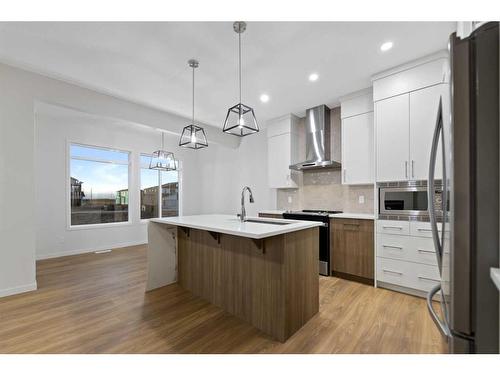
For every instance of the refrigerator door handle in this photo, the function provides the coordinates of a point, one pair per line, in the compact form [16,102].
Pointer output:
[431,187]
[443,327]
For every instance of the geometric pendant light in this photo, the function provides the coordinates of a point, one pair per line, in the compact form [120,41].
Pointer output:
[193,136]
[162,160]
[240,118]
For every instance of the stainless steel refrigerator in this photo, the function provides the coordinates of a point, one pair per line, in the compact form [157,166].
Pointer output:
[467,135]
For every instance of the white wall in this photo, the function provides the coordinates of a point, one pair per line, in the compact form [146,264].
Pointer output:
[54,128]
[225,171]
[19,92]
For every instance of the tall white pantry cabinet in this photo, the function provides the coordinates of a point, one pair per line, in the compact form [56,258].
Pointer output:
[406,101]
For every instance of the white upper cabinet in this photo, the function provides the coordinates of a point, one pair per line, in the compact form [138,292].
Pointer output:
[423,112]
[357,138]
[357,149]
[282,151]
[393,137]
[416,75]
[405,122]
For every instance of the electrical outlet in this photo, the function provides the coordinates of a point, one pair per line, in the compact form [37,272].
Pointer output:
[290,200]
[361,199]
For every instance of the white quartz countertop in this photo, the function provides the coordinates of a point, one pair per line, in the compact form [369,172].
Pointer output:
[495,276]
[347,215]
[230,224]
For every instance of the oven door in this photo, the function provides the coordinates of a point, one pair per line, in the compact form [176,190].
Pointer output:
[408,201]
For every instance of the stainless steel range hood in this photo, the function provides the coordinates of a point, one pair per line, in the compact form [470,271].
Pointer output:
[318,150]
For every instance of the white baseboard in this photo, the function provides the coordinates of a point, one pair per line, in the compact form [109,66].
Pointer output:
[88,250]
[18,289]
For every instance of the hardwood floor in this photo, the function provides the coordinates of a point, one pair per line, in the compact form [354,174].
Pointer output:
[95,303]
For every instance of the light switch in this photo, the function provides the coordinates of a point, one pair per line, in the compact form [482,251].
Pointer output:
[361,199]
[290,199]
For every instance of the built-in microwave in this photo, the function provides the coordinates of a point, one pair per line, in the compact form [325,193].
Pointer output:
[407,198]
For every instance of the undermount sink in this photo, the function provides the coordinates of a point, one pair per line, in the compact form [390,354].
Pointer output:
[266,222]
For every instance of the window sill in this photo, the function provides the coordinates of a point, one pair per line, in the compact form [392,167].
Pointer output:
[99,226]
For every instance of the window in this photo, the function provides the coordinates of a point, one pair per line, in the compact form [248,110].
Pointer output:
[170,193]
[98,185]
[151,180]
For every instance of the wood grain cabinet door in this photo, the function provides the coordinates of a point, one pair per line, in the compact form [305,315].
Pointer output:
[352,248]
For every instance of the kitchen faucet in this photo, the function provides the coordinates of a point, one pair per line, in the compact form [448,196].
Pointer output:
[243,213]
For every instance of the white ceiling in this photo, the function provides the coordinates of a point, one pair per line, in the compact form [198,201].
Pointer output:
[147,62]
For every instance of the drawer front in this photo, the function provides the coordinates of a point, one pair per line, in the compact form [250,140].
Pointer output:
[425,277]
[394,247]
[423,229]
[423,250]
[408,248]
[407,274]
[393,227]
[360,225]
[395,272]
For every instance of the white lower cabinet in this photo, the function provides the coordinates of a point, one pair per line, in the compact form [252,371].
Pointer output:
[407,274]
[407,259]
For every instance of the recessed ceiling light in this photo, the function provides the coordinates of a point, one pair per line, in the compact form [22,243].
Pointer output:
[313,77]
[264,98]
[386,46]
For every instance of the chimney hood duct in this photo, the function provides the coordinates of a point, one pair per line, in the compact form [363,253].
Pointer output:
[318,152]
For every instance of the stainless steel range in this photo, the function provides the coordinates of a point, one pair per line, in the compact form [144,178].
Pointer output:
[324,233]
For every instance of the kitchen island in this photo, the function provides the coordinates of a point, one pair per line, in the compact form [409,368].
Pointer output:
[263,271]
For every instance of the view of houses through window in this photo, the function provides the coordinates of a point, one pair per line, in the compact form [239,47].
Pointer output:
[99,186]
[151,180]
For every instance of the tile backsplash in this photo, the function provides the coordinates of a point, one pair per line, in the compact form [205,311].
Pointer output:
[323,190]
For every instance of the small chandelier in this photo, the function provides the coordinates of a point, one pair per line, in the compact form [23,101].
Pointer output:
[240,119]
[162,160]
[193,136]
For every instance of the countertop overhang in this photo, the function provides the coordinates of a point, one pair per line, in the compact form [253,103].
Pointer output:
[229,224]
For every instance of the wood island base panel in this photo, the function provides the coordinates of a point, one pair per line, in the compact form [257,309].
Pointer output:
[272,283]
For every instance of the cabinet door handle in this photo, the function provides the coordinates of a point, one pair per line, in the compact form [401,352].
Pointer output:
[392,247]
[413,168]
[428,278]
[424,230]
[394,272]
[406,169]
[425,251]
[391,227]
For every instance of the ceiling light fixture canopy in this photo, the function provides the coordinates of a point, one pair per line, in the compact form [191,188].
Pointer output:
[240,118]
[193,136]
[162,160]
